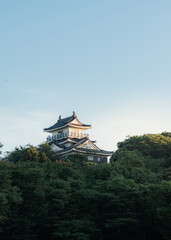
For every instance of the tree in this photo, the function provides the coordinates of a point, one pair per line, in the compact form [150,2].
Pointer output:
[41,198]
[166,134]
[46,153]
[154,148]
[23,154]
[1,147]
[77,158]
[154,145]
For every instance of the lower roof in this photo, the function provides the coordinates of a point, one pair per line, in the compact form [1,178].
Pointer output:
[75,148]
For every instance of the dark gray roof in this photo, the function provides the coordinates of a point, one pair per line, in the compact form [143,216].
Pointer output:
[63,121]
[60,141]
[80,141]
[87,150]
[76,148]
[57,144]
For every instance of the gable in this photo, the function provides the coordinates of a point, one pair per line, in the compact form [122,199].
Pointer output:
[76,121]
[88,145]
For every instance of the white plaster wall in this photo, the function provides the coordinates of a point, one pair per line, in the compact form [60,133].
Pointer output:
[74,132]
[65,130]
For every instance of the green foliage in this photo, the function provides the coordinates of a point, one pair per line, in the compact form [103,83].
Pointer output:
[42,153]
[151,151]
[1,147]
[167,174]
[42,197]
[154,145]
[130,159]
[166,134]
[77,158]
[58,200]
[23,154]
[46,153]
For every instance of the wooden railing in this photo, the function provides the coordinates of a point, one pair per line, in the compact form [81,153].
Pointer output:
[65,135]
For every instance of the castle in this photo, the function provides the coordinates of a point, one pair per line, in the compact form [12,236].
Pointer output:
[68,138]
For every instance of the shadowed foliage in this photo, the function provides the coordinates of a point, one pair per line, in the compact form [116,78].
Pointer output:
[42,197]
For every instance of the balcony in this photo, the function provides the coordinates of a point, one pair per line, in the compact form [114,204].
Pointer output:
[65,135]
[78,135]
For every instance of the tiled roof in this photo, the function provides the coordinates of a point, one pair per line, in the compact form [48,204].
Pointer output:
[73,146]
[58,145]
[61,122]
[64,121]
[85,150]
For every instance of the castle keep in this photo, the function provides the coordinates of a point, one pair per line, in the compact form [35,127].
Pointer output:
[68,138]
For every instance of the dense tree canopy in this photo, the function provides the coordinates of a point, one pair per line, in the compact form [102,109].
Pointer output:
[154,145]
[42,197]
[155,150]
[42,153]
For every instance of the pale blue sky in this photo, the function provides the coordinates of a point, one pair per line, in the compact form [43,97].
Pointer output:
[107,60]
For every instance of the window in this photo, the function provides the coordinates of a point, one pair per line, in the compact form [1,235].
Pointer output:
[60,134]
[90,158]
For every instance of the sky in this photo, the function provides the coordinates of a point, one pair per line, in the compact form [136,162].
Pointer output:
[109,61]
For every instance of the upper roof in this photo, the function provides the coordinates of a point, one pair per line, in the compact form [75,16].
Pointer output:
[62,122]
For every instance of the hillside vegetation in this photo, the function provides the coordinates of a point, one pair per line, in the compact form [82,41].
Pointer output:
[42,197]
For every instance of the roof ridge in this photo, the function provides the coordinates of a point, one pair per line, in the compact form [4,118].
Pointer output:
[61,122]
[66,118]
